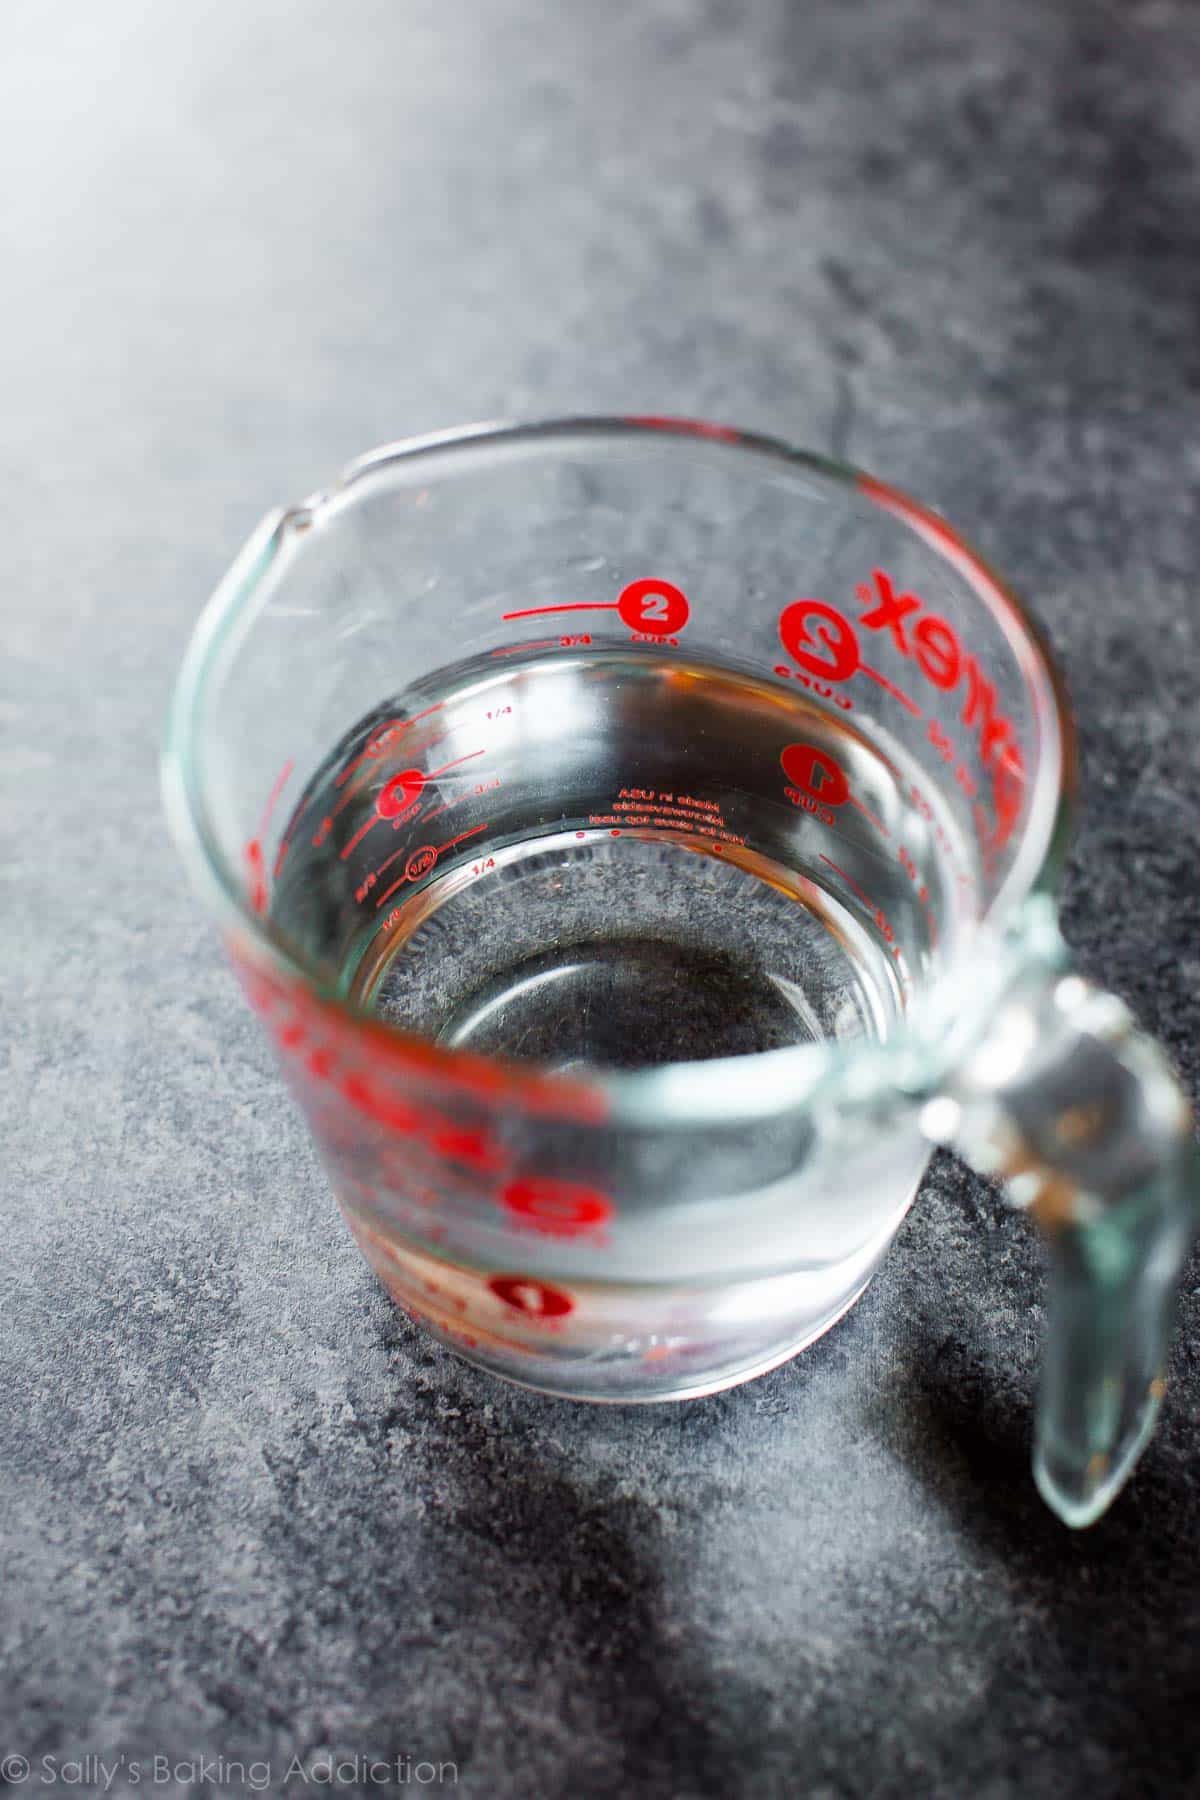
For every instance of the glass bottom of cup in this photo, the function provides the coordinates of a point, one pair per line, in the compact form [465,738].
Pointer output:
[618,1343]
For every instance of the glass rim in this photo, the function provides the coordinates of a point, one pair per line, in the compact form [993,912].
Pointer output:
[758,1083]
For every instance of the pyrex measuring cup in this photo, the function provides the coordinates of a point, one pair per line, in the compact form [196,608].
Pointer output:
[639,840]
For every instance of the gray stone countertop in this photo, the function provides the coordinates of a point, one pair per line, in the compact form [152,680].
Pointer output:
[248,1515]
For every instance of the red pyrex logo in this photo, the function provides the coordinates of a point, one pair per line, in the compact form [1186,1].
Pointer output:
[823,642]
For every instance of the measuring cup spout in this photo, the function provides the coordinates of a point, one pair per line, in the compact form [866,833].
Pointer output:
[1082,1116]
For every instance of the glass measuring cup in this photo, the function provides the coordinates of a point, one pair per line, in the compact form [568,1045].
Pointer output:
[639,840]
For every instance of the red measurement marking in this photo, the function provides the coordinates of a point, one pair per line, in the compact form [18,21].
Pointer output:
[377,742]
[398,794]
[356,763]
[905,859]
[273,797]
[360,834]
[876,912]
[368,1098]
[282,851]
[255,861]
[417,717]
[535,1298]
[558,1208]
[409,1058]
[258,875]
[515,649]
[537,612]
[462,837]
[657,608]
[824,643]
[403,791]
[422,860]
[389,860]
[868,814]
[469,757]
[818,687]
[456,800]
[356,787]
[941,743]
[939,654]
[816,772]
[890,687]
[472,1147]
[850,882]
[389,802]
[437,811]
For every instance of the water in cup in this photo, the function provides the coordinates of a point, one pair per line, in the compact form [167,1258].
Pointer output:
[618,857]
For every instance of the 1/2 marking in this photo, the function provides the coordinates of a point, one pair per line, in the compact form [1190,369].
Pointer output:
[422,860]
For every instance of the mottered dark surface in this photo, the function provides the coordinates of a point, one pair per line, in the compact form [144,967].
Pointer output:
[247,1513]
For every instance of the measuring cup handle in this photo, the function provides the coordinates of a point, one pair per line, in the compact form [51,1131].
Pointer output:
[1082,1115]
